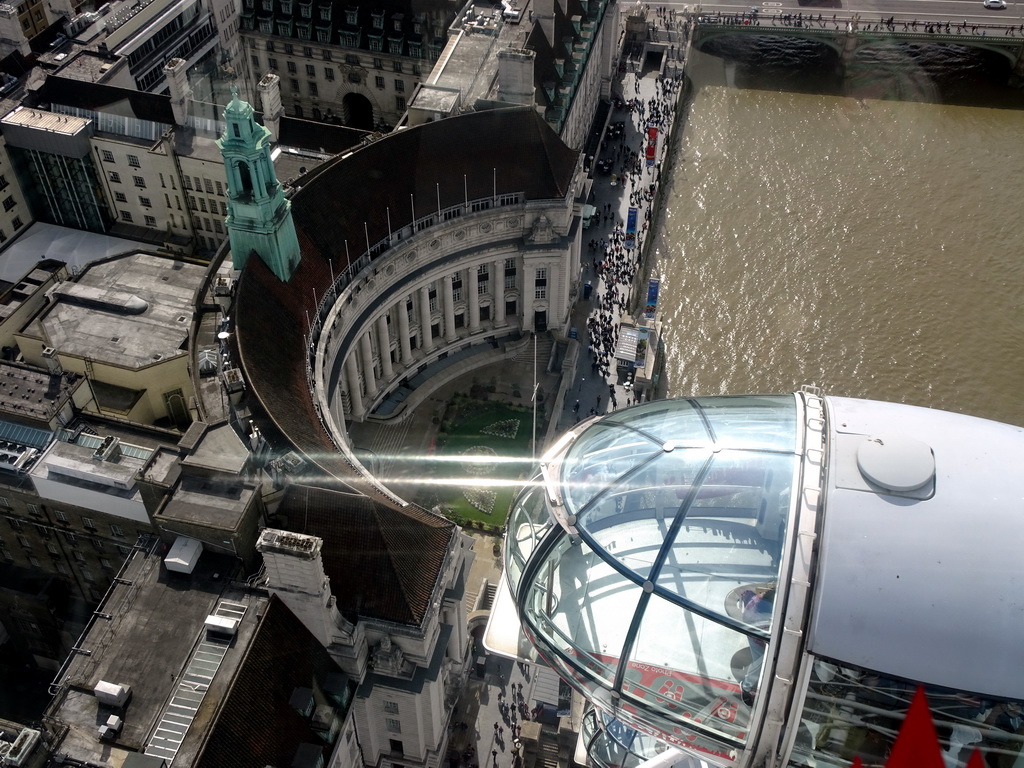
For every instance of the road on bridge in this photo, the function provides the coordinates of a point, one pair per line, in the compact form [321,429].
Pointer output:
[924,12]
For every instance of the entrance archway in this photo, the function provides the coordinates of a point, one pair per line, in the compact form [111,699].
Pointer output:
[358,111]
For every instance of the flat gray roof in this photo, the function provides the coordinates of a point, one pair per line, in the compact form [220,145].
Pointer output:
[130,312]
[29,393]
[74,247]
[142,637]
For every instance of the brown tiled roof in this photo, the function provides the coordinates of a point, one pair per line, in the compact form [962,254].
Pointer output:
[383,562]
[255,726]
[512,150]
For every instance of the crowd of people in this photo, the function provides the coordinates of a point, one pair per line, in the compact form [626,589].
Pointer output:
[615,256]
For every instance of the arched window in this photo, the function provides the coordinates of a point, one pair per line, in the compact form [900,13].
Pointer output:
[245,177]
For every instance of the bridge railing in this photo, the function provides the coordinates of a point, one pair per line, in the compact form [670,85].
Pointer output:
[858,23]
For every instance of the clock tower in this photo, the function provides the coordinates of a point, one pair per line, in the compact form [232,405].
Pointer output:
[259,217]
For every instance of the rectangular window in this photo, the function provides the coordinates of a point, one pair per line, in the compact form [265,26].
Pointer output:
[378,63]
[310,70]
[351,58]
[391,707]
[23,540]
[400,103]
[5,503]
[150,221]
[87,575]
[133,161]
[393,725]
[115,530]
[33,509]
[115,177]
[188,182]
[121,197]
[218,227]
[294,84]
[139,182]
[61,517]
[399,86]
[108,156]
[202,204]
[396,66]
[126,216]
[88,523]
[4,183]
[124,550]
[16,223]
[220,189]
[286,7]
[69,537]
[256,63]
[328,73]
[307,52]
[291,67]
[313,90]
[145,202]
[379,81]
[7,554]
[52,549]
[272,62]
[14,523]
[270,45]
[223,208]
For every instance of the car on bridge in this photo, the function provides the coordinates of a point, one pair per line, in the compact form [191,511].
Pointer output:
[995,5]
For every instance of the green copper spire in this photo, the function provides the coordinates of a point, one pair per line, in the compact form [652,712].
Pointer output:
[259,217]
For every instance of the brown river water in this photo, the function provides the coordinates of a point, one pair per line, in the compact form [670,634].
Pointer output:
[871,247]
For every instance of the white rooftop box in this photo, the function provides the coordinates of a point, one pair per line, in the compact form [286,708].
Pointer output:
[222,625]
[111,693]
[183,555]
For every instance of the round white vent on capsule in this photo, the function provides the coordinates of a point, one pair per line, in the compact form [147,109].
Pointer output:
[896,463]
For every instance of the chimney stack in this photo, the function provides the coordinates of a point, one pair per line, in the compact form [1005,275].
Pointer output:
[515,76]
[295,573]
[176,72]
[12,37]
[270,98]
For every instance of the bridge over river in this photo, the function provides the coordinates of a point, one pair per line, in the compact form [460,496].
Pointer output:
[854,34]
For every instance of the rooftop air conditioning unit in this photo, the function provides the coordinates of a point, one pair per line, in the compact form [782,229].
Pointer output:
[221,625]
[112,694]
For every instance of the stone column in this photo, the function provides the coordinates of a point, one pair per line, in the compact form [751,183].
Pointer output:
[474,300]
[355,397]
[498,292]
[526,305]
[369,377]
[426,340]
[403,331]
[448,300]
[384,348]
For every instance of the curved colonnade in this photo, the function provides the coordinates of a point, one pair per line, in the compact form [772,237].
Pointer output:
[487,250]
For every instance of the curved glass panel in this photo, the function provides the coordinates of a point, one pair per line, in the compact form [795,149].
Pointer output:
[583,606]
[527,523]
[680,506]
[852,712]
[752,423]
[664,420]
[613,744]
[601,455]
[730,538]
[690,670]
[631,520]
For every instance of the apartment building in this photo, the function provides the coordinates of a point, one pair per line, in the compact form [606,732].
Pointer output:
[357,64]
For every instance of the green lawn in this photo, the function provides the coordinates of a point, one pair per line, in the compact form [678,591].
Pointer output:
[481,454]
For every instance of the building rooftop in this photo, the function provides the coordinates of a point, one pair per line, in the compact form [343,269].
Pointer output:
[119,647]
[470,61]
[85,463]
[42,120]
[17,293]
[31,394]
[130,311]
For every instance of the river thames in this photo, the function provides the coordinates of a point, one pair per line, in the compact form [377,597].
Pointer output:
[870,247]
